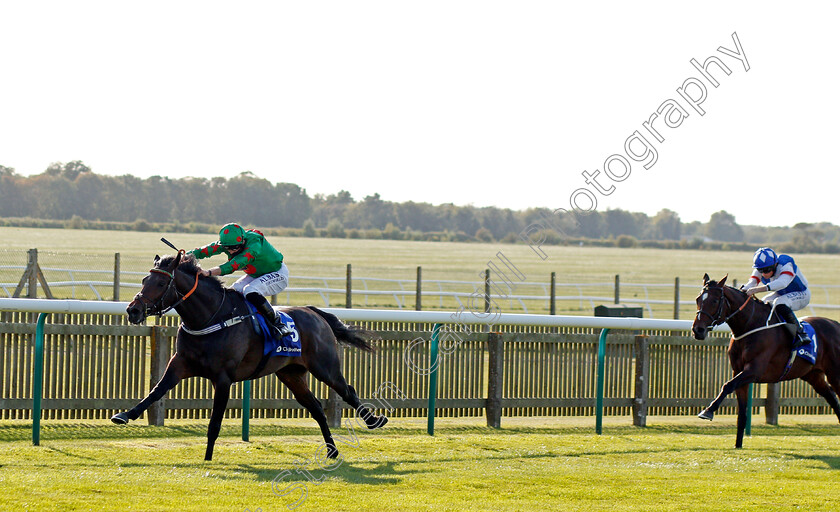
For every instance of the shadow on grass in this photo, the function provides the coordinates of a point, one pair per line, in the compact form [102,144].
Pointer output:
[757,429]
[380,473]
[831,462]
[828,461]
[386,472]
[69,454]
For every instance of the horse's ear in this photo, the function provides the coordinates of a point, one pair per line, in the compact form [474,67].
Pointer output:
[723,281]
[705,279]
[157,259]
[177,259]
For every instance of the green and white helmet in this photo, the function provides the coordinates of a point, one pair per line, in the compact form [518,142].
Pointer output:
[231,235]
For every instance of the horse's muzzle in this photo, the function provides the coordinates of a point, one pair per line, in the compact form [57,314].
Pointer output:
[136,311]
[700,331]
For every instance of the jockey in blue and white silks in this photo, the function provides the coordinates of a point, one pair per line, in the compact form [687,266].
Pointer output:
[780,274]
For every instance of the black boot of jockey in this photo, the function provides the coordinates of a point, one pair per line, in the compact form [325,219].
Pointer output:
[265,309]
[800,338]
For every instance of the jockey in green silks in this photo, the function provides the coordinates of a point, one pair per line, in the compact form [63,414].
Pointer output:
[265,271]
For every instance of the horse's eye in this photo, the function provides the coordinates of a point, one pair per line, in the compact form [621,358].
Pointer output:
[160,284]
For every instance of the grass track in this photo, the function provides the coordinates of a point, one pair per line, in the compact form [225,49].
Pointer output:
[675,464]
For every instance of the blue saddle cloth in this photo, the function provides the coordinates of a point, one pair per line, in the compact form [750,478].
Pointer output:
[808,352]
[289,346]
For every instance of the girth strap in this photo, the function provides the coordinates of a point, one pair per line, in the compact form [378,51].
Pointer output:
[260,366]
[216,327]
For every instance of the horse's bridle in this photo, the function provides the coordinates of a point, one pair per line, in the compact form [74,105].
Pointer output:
[152,308]
[718,317]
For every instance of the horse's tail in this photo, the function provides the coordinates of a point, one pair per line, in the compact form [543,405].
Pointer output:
[350,334]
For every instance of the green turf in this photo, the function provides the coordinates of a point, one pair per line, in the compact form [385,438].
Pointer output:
[675,464]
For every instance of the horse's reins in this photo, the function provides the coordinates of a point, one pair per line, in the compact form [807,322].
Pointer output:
[749,297]
[717,318]
[767,325]
[183,297]
[155,308]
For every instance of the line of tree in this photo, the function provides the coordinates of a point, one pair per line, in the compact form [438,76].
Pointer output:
[72,192]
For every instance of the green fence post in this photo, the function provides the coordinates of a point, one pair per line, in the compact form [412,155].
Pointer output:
[599,398]
[38,383]
[748,429]
[246,410]
[433,375]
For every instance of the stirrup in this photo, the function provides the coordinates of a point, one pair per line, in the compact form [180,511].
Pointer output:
[283,330]
[275,329]
[800,339]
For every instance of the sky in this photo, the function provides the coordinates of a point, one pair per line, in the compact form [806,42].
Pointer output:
[490,103]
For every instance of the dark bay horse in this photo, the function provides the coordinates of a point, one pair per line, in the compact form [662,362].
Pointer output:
[235,353]
[761,354]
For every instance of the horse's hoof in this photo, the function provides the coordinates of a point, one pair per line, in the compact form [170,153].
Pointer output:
[332,451]
[706,415]
[120,419]
[377,423]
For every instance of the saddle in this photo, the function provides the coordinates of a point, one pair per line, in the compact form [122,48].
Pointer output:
[792,331]
[806,352]
[288,346]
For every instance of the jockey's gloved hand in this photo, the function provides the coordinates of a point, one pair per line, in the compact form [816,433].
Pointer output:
[756,289]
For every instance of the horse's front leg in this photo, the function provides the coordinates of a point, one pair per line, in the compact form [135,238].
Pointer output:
[220,401]
[742,379]
[741,393]
[176,371]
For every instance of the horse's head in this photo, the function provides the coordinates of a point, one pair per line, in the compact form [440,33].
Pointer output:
[158,292]
[712,306]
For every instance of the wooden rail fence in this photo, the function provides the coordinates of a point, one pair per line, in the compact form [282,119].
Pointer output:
[97,365]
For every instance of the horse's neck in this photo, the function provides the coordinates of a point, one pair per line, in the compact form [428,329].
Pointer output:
[753,315]
[201,306]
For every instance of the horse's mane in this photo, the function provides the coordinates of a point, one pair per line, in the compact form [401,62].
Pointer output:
[190,265]
[742,293]
[715,284]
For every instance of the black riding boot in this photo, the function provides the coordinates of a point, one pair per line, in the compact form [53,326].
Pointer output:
[800,338]
[265,309]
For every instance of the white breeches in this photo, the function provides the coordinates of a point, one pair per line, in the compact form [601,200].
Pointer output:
[267,284]
[794,300]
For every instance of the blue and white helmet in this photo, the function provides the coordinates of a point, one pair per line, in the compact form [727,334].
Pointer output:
[765,257]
